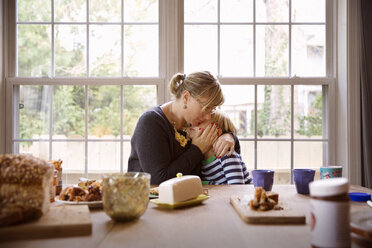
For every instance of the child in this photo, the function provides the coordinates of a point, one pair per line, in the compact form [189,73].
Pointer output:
[225,170]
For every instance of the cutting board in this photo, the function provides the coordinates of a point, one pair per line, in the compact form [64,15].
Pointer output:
[284,216]
[59,221]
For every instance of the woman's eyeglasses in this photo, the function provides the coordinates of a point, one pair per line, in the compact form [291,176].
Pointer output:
[209,110]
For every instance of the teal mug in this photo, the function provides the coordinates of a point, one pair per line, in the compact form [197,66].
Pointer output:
[333,171]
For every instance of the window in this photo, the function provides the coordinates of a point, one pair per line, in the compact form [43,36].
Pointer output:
[264,51]
[87,38]
[86,70]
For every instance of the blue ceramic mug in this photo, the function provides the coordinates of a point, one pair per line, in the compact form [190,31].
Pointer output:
[263,178]
[302,178]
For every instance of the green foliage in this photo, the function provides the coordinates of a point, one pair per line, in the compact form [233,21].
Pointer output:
[68,113]
[273,122]
[311,124]
[34,50]
[104,110]
[263,114]
[34,114]
[34,59]
[34,10]
[69,62]
[104,11]
[136,101]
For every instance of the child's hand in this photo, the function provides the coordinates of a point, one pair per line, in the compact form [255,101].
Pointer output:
[205,139]
[225,143]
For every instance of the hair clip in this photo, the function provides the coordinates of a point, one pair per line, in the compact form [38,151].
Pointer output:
[183,77]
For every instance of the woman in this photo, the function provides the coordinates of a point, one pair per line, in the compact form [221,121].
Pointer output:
[159,144]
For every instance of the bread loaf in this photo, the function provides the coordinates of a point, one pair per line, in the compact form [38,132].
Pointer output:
[25,183]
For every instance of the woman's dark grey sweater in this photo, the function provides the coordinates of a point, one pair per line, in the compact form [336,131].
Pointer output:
[156,151]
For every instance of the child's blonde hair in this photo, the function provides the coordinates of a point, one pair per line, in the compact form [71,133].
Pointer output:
[200,84]
[223,121]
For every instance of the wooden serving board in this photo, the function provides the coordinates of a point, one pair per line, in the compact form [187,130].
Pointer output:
[59,221]
[284,216]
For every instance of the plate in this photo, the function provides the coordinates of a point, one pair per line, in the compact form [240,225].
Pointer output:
[91,204]
[195,201]
[152,196]
[361,223]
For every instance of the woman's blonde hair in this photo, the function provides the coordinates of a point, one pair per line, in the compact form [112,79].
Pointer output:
[223,121]
[199,84]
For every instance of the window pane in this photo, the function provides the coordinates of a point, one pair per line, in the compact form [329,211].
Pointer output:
[236,10]
[34,11]
[272,50]
[273,155]
[200,10]
[308,11]
[37,149]
[34,50]
[103,157]
[70,11]
[200,55]
[34,109]
[239,105]
[247,153]
[141,10]
[274,111]
[236,50]
[68,112]
[308,111]
[73,156]
[137,99]
[308,50]
[70,50]
[282,176]
[104,112]
[141,50]
[308,155]
[272,10]
[127,150]
[104,11]
[105,50]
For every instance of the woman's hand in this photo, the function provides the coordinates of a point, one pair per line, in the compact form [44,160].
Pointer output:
[206,138]
[225,143]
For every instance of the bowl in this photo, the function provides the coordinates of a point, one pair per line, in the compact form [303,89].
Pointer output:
[126,196]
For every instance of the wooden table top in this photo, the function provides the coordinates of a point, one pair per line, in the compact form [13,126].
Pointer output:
[214,223]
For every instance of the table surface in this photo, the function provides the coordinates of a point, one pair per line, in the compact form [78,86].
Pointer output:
[215,223]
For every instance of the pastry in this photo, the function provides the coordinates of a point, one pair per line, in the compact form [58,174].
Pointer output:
[94,192]
[264,201]
[154,191]
[86,183]
[72,193]
[89,190]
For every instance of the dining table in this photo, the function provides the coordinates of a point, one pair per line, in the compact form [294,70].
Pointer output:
[213,223]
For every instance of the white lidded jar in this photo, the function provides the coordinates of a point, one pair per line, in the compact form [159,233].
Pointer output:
[330,211]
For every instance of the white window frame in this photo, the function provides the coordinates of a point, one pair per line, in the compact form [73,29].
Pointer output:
[171,61]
